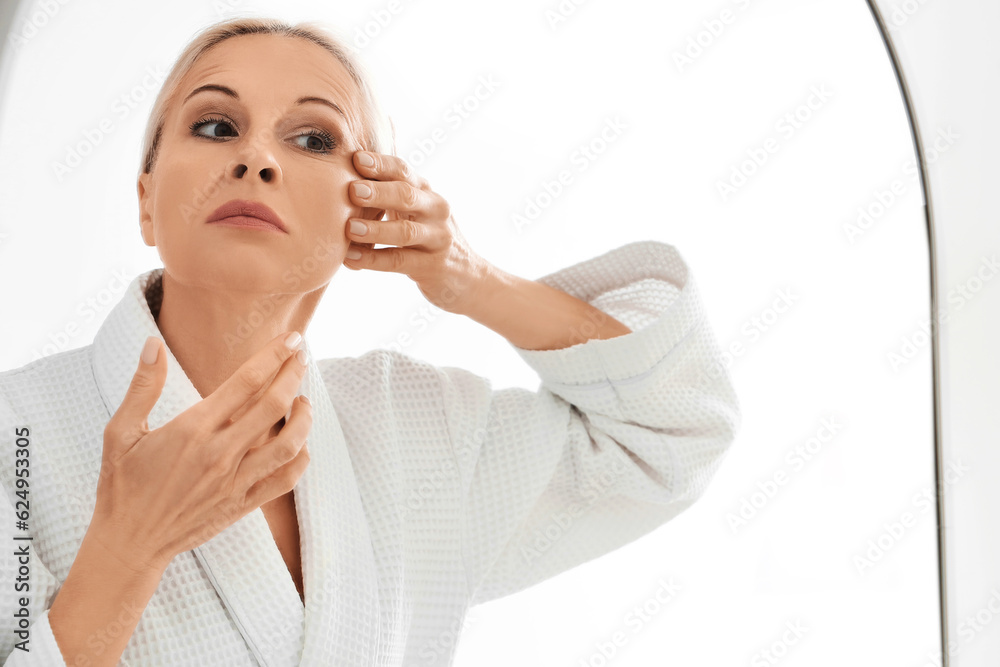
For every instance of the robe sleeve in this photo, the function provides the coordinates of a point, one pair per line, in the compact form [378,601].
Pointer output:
[26,639]
[622,435]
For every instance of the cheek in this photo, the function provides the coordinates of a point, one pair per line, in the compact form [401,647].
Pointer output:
[323,199]
[320,202]
[182,193]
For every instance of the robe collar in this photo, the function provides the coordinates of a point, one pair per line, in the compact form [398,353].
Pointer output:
[339,624]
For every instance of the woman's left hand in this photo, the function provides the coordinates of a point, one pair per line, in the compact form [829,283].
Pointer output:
[429,248]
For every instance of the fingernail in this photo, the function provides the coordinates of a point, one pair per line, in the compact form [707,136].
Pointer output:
[301,356]
[353,254]
[150,351]
[358,228]
[292,340]
[366,160]
[362,190]
[305,399]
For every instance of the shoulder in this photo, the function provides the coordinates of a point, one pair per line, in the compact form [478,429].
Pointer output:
[403,379]
[52,420]
[393,417]
[409,397]
[379,370]
[55,404]
[48,385]
[56,401]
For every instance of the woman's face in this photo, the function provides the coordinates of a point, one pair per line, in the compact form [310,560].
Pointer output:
[216,147]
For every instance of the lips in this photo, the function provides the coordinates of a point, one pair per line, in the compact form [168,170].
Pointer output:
[249,209]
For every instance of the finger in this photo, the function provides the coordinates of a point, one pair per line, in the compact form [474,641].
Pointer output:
[280,482]
[388,168]
[248,381]
[359,248]
[401,232]
[272,404]
[265,469]
[407,261]
[259,462]
[399,196]
[147,384]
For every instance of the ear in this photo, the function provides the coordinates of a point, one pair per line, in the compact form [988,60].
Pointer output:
[145,189]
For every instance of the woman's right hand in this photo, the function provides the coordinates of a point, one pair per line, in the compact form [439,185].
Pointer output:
[165,491]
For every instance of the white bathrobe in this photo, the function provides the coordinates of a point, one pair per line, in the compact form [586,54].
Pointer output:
[427,491]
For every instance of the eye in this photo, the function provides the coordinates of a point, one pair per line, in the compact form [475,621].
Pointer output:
[318,141]
[219,132]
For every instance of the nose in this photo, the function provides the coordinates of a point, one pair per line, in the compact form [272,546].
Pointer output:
[257,161]
[267,174]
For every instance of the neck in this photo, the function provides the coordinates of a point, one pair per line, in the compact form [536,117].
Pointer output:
[213,331]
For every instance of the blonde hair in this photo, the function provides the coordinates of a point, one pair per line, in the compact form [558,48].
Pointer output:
[377,132]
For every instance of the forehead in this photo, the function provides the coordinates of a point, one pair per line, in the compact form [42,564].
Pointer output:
[274,68]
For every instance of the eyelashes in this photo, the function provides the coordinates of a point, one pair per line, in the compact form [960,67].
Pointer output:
[198,124]
[326,141]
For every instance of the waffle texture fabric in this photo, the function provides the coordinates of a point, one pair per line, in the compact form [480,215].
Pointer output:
[427,491]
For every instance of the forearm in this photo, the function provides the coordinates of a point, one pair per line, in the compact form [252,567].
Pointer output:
[534,316]
[100,603]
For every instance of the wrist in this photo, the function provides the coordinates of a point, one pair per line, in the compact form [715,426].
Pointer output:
[493,292]
[104,542]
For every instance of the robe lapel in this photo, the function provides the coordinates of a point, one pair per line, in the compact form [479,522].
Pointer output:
[339,624]
[342,598]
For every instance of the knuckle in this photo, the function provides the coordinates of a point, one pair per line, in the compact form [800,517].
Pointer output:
[288,450]
[409,194]
[276,459]
[278,469]
[281,352]
[126,435]
[215,462]
[409,232]
[142,381]
[273,404]
[396,259]
[405,171]
[252,379]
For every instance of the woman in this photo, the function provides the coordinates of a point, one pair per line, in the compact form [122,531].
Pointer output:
[173,511]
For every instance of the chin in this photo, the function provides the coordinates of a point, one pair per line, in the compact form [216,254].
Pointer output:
[230,273]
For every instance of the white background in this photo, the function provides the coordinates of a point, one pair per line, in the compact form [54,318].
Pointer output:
[855,300]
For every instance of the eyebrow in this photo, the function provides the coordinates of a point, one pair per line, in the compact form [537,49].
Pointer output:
[232,93]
